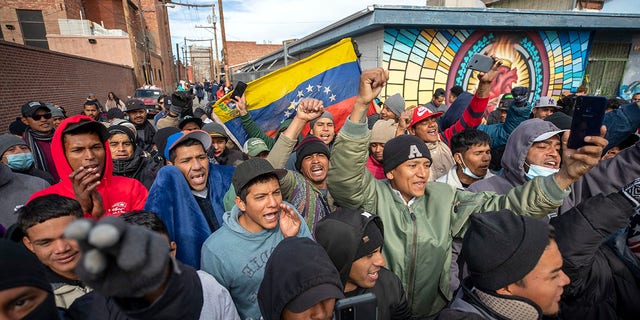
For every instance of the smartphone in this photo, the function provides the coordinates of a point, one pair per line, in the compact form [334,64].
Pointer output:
[239,89]
[362,307]
[587,119]
[480,62]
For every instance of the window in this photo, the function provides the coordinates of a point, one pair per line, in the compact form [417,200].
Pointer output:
[33,30]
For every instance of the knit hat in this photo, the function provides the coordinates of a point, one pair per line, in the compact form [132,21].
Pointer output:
[215,130]
[7,141]
[371,239]
[115,113]
[395,103]
[420,113]
[298,275]
[20,268]
[502,247]
[123,130]
[254,146]
[402,148]
[383,131]
[325,114]
[188,119]
[309,146]
[160,138]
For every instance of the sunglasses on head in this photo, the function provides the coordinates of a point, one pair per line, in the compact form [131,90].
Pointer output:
[37,117]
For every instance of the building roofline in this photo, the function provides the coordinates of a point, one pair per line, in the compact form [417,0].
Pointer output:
[397,16]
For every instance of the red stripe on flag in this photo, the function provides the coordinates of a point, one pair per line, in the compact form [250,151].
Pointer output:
[340,112]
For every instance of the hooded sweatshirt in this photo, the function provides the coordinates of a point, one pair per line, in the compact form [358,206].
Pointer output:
[340,233]
[240,267]
[119,194]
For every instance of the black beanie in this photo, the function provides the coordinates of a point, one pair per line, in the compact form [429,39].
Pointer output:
[371,239]
[19,267]
[402,148]
[309,146]
[123,130]
[502,247]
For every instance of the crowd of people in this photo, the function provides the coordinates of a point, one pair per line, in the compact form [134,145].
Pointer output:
[443,210]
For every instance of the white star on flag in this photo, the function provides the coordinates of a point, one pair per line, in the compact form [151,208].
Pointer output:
[332,97]
[300,94]
[327,90]
[309,88]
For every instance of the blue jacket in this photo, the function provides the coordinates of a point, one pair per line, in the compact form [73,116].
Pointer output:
[171,199]
[621,123]
[237,257]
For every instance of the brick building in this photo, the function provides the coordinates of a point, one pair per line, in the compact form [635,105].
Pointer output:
[133,33]
[243,52]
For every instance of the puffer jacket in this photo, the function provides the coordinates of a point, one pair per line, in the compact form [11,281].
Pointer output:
[418,235]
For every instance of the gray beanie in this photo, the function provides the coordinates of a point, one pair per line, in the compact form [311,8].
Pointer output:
[325,114]
[521,240]
[396,104]
[383,131]
[7,141]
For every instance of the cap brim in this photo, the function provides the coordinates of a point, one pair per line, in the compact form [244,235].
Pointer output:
[314,296]
[95,126]
[199,135]
[548,135]
[433,115]
[258,151]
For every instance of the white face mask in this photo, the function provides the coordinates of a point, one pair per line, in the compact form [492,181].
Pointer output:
[467,171]
[539,171]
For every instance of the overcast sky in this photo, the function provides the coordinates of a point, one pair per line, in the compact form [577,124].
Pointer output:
[266,21]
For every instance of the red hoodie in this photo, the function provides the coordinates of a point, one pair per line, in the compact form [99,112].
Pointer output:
[119,194]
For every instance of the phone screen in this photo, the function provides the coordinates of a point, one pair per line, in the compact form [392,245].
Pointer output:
[238,91]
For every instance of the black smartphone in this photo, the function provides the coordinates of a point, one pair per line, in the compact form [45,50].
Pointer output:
[362,307]
[239,89]
[480,62]
[587,119]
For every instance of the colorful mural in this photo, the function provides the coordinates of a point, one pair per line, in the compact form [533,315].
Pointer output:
[419,61]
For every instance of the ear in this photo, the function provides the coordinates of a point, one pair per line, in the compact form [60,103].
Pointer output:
[412,131]
[27,243]
[389,175]
[506,291]
[457,157]
[24,120]
[241,205]
[169,163]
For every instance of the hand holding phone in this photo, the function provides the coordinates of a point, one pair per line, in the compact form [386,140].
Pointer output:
[587,119]
[238,91]
[480,62]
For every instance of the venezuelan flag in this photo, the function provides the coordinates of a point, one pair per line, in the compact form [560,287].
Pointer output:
[331,75]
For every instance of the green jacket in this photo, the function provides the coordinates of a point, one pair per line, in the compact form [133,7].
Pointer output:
[418,236]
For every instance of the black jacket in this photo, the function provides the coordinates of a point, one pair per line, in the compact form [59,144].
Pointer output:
[602,285]
[340,233]
[139,167]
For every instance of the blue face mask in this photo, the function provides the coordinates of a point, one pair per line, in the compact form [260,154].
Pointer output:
[467,171]
[539,171]
[20,161]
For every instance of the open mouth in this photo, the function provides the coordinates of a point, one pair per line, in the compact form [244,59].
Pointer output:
[373,276]
[270,217]
[317,170]
[198,178]
[551,164]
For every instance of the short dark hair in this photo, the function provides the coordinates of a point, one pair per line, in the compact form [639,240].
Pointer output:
[90,103]
[464,140]
[147,219]
[439,93]
[161,98]
[45,208]
[186,143]
[259,179]
[456,90]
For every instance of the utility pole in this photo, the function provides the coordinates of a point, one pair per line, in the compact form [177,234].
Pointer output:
[132,43]
[148,71]
[213,20]
[178,63]
[225,53]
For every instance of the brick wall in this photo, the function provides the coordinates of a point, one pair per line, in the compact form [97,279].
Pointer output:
[30,73]
[245,51]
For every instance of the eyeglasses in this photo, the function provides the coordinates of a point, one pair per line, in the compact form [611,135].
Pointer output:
[37,117]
